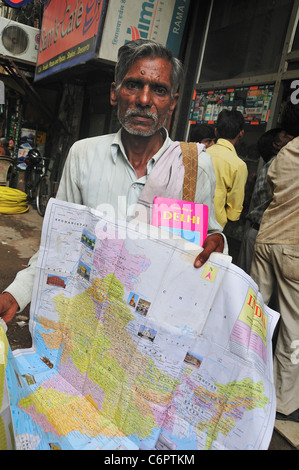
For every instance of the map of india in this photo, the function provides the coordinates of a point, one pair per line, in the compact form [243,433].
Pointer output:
[134,350]
[122,384]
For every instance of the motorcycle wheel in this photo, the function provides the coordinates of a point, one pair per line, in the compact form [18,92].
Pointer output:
[30,182]
[42,196]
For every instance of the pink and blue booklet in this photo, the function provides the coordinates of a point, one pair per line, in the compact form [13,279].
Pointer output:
[184,218]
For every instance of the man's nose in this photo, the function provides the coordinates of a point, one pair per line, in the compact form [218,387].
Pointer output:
[144,96]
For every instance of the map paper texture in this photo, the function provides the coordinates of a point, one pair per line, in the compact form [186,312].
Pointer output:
[135,349]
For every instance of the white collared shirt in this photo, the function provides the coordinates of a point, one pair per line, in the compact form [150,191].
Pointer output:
[97,174]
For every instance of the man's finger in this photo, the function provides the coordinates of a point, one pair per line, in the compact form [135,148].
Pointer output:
[212,243]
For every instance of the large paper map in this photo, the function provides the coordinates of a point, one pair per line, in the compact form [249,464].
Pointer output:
[134,348]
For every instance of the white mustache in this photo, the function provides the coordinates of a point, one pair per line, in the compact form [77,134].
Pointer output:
[142,113]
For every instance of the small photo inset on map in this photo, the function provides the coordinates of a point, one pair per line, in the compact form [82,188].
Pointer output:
[57,281]
[88,239]
[84,270]
[47,362]
[30,379]
[147,333]
[133,299]
[54,446]
[193,359]
[142,307]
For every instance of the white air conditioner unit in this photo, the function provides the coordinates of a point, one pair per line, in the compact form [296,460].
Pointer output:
[19,41]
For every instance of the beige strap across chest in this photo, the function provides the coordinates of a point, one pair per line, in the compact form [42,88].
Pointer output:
[190,162]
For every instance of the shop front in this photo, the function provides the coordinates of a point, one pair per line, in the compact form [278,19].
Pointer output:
[236,54]
[247,58]
[78,49]
[62,94]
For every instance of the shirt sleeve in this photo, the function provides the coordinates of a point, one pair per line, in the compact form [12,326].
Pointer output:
[205,191]
[22,286]
[235,196]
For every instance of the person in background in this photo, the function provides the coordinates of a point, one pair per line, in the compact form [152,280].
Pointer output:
[126,170]
[230,170]
[268,146]
[4,148]
[275,264]
[204,134]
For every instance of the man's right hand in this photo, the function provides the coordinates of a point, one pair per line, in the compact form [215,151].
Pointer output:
[8,306]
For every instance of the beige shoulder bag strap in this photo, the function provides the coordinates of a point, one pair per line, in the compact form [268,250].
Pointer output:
[190,157]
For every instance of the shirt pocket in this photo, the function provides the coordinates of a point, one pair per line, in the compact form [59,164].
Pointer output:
[290,263]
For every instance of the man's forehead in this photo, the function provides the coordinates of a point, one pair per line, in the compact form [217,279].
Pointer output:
[152,68]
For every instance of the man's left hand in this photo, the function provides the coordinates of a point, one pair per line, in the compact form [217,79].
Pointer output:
[212,243]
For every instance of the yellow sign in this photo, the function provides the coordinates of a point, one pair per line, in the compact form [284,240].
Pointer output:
[253,315]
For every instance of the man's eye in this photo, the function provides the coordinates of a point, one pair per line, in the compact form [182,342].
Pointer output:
[160,91]
[131,85]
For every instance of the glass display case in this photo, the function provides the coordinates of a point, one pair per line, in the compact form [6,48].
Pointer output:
[253,102]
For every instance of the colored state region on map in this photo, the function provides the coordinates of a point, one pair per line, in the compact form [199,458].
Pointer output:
[227,406]
[113,257]
[123,388]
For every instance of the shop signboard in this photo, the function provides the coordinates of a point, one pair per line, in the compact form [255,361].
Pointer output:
[160,20]
[17,3]
[69,34]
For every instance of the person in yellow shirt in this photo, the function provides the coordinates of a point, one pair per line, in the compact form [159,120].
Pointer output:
[230,170]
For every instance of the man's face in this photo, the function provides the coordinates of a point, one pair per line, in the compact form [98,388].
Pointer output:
[283,139]
[208,142]
[144,98]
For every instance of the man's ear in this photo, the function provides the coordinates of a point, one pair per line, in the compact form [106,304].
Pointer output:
[113,94]
[174,102]
[276,146]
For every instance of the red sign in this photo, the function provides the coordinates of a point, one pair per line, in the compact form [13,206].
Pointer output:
[69,34]
[16,3]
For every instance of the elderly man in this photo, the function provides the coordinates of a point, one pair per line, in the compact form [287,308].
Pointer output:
[134,165]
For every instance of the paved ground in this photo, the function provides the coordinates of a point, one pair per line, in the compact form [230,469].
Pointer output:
[19,239]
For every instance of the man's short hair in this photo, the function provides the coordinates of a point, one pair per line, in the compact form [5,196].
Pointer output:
[132,51]
[266,141]
[201,131]
[229,123]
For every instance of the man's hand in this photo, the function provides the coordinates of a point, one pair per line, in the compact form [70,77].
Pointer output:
[8,306]
[212,243]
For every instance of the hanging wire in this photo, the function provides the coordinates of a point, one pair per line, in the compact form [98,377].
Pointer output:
[30,14]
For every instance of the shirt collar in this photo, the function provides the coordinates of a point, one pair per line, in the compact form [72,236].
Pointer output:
[226,143]
[117,146]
